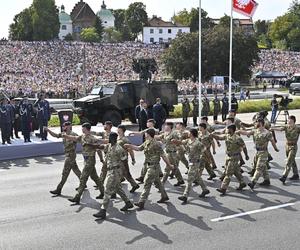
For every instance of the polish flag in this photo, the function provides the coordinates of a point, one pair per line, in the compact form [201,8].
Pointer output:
[245,7]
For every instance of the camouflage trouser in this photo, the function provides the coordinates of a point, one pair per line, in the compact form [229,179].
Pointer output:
[182,158]
[152,176]
[173,158]
[254,166]
[70,164]
[194,173]
[291,152]
[112,186]
[211,158]
[126,173]
[103,172]
[261,159]
[208,167]
[144,170]
[232,167]
[89,170]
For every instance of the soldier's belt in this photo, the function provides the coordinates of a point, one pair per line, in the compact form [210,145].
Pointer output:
[85,157]
[234,154]
[114,167]
[171,151]
[261,148]
[194,161]
[152,163]
[291,143]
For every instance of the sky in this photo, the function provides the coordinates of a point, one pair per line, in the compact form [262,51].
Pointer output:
[268,9]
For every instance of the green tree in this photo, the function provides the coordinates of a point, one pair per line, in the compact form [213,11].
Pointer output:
[112,36]
[89,35]
[136,17]
[181,59]
[99,27]
[21,28]
[69,37]
[45,21]
[121,24]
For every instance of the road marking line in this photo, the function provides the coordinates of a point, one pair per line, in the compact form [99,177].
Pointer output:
[252,212]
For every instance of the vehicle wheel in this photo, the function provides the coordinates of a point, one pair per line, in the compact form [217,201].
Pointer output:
[113,116]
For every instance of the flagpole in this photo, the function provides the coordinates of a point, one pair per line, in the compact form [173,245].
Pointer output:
[200,59]
[230,54]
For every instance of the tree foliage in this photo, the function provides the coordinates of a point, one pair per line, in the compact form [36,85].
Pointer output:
[181,59]
[89,35]
[121,24]
[136,17]
[112,36]
[99,27]
[285,29]
[38,22]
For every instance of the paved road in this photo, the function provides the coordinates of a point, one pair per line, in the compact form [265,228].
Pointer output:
[30,218]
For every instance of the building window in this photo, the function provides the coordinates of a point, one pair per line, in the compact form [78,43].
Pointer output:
[151,40]
[169,31]
[160,31]
[151,31]
[161,40]
[180,31]
[169,39]
[64,27]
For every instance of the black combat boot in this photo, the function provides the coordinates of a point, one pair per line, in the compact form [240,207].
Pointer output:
[56,192]
[163,199]
[204,193]
[101,214]
[114,196]
[128,205]
[100,196]
[251,184]
[140,179]
[222,191]
[183,199]
[179,183]
[139,204]
[75,200]
[78,187]
[265,183]
[295,177]
[241,186]
[211,177]
[282,179]
[134,188]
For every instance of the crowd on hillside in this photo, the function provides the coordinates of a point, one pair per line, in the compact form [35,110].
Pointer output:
[286,62]
[56,67]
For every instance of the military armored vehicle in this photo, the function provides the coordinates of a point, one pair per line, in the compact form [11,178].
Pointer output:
[116,101]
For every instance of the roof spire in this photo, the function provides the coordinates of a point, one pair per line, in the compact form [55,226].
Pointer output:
[103,6]
[62,8]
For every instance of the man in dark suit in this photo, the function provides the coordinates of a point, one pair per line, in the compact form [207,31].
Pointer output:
[144,115]
[5,120]
[43,115]
[15,119]
[138,109]
[159,114]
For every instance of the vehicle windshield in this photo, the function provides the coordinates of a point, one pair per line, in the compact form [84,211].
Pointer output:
[296,79]
[103,90]
[96,91]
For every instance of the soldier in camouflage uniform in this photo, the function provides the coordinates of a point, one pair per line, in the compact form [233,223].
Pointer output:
[122,140]
[116,157]
[70,156]
[183,135]
[153,152]
[217,107]
[171,150]
[89,144]
[195,151]
[292,135]
[205,106]
[195,103]
[150,124]
[207,140]
[234,146]
[185,110]
[261,138]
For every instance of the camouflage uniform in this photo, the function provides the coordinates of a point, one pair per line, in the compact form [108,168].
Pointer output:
[153,152]
[125,167]
[181,150]
[70,160]
[171,150]
[185,110]
[205,107]
[114,157]
[195,151]
[217,108]
[210,129]
[292,136]
[206,139]
[234,143]
[89,169]
[195,103]
[261,140]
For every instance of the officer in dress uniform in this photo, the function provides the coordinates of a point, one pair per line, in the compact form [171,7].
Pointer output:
[25,111]
[5,121]
[43,115]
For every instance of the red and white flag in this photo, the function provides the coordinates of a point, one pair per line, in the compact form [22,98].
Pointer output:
[245,7]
